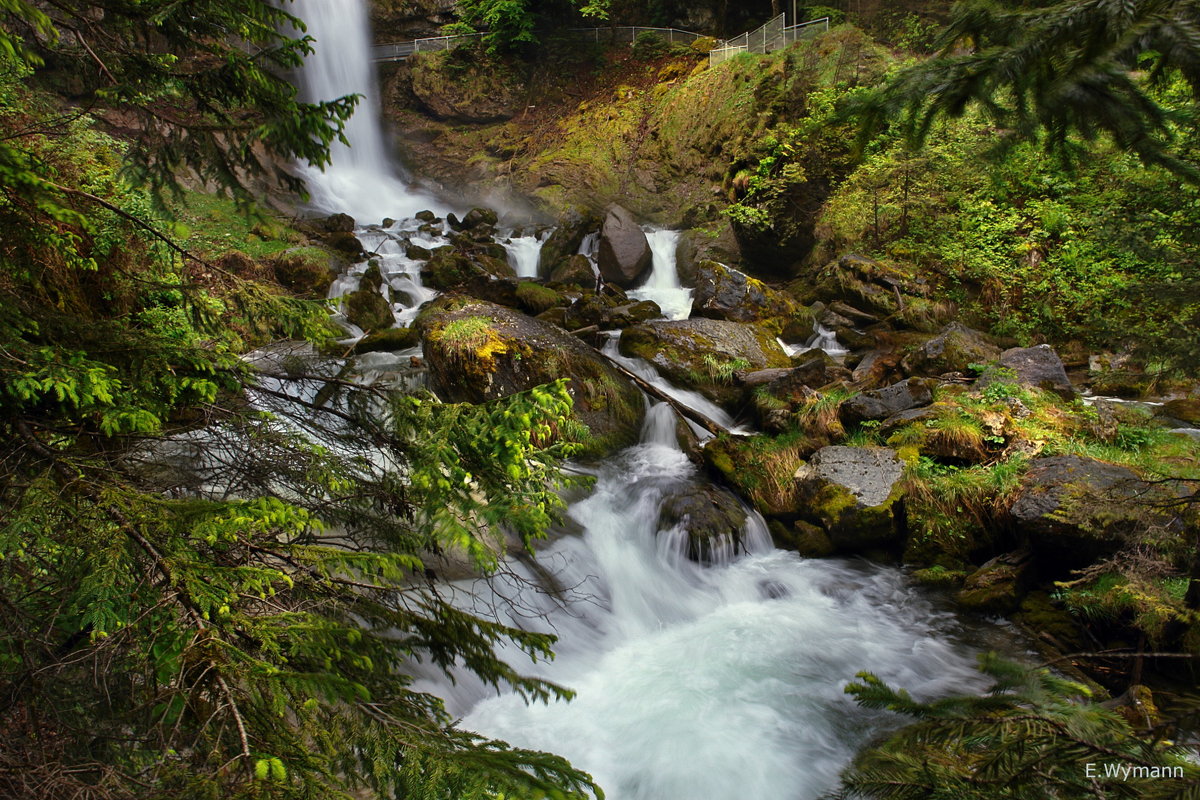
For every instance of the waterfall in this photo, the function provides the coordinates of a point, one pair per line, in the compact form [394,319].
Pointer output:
[361,179]
[523,253]
[663,286]
[701,683]
[822,339]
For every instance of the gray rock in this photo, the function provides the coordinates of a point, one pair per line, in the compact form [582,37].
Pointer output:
[851,493]
[1034,366]
[954,349]
[713,520]
[1076,510]
[883,403]
[624,257]
[722,292]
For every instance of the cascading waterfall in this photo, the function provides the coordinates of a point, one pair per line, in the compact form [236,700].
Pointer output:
[663,286]
[361,180]
[717,682]
[703,683]
[523,253]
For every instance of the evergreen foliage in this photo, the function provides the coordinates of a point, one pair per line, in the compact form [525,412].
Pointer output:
[1033,735]
[1074,68]
[211,569]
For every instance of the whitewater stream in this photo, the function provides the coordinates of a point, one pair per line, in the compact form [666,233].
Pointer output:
[715,682]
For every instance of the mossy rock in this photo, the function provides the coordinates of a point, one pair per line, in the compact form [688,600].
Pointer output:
[938,577]
[369,310]
[722,292]
[534,298]
[807,539]
[387,341]
[466,86]
[564,242]
[759,468]
[448,269]
[712,519]
[347,244]
[1185,410]
[998,586]
[956,348]
[372,278]
[574,270]
[702,354]
[852,492]
[478,351]
[305,271]
[417,253]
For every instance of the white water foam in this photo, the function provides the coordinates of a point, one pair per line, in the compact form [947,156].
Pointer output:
[703,683]
[663,286]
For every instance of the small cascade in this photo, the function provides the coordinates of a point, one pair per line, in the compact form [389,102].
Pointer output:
[694,682]
[361,179]
[663,286]
[822,339]
[402,285]
[523,253]
[590,246]
[691,399]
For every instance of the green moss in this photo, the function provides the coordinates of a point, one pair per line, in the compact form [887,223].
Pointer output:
[214,225]
[535,298]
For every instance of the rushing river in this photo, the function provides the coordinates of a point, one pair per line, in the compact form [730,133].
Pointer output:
[718,682]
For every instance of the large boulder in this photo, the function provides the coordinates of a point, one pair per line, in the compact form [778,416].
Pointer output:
[478,351]
[624,256]
[1039,367]
[722,292]
[712,520]
[368,309]
[954,349]
[1075,510]
[852,492]
[880,404]
[449,268]
[704,354]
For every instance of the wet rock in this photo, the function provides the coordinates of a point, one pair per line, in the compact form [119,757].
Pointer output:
[533,298]
[954,349]
[338,223]
[368,310]
[479,216]
[1039,367]
[875,367]
[712,519]
[879,404]
[387,341]
[574,270]
[624,256]
[426,216]
[1185,412]
[805,538]
[998,586]
[565,241]
[722,292]
[1075,511]
[852,493]
[417,253]
[696,246]
[447,269]
[347,243]
[703,353]
[478,351]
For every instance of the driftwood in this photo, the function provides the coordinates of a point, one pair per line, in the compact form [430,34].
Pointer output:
[681,409]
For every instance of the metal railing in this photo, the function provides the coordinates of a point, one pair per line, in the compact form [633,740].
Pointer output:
[617,34]
[399,51]
[774,35]
[630,33]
